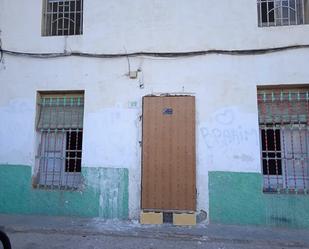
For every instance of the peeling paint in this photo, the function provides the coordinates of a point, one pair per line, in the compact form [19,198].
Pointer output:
[104,194]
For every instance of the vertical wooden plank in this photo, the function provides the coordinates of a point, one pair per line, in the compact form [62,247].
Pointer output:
[168,157]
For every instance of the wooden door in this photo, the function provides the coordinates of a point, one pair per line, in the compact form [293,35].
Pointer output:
[168,154]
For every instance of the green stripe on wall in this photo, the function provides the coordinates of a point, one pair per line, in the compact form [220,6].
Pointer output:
[237,198]
[104,194]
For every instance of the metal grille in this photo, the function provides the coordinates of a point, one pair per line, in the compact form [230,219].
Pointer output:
[62,17]
[60,128]
[282,12]
[284,126]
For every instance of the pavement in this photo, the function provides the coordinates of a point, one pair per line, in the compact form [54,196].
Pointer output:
[34,232]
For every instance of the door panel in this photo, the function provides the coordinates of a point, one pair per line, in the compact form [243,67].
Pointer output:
[168,157]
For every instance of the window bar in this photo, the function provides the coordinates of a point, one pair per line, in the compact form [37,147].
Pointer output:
[68,146]
[303,12]
[45,17]
[280,16]
[267,14]
[285,18]
[289,13]
[284,162]
[275,10]
[67,157]
[52,17]
[44,135]
[46,156]
[55,156]
[61,159]
[296,12]
[259,6]
[63,18]
[55,140]
[63,144]
[75,21]
[48,141]
[69,18]
[275,138]
[81,16]
[64,112]
[292,141]
[301,140]
[67,140]
[75,154]
[55,18]
[50,111]
[75,157]
[58,12]
[266,140]
[72,105]
[42,147]
[70,138]
[76,143]
[41,154]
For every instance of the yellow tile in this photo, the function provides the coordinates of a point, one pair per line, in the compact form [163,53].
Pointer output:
[184,219]
[151,218]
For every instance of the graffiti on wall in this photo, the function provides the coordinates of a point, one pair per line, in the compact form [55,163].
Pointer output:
[231,136]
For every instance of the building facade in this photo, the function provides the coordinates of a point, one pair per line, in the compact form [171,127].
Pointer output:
[74,76]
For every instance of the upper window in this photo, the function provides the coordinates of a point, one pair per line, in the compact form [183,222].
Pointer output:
[284,132]
[62,17]
[282,12]
[60,137]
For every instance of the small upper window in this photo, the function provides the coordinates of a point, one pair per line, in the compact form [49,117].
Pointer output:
[62,17]
[282,12]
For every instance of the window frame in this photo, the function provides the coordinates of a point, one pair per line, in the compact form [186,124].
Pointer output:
[286,182]
[52,16]
[301,13]
[58,163]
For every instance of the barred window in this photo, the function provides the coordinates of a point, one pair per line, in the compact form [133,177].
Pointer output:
[62,17]
[60,130]
[282,12]
[284,131]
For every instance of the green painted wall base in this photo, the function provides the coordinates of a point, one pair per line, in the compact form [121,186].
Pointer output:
[238,198]
[104,194]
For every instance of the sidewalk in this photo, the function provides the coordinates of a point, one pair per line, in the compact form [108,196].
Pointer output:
[209,233]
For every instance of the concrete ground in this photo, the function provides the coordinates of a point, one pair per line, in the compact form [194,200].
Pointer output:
[34,232]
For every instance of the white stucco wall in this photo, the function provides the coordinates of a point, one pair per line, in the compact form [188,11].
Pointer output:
[149,25]
[224,85]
